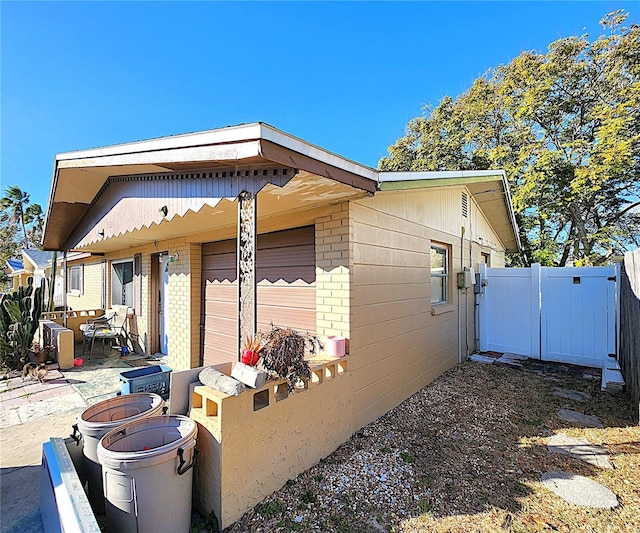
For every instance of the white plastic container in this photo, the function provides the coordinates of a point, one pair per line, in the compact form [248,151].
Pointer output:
[101,418]
[147,474]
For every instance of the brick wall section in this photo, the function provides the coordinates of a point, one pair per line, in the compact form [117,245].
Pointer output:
[184,306]
[333,252]
[195,258]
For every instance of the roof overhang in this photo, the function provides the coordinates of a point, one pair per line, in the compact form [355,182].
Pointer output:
[84,181]
[79,177]
[488,188]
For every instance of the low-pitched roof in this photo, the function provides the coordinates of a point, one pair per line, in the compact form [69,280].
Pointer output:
[488,188]
[15,265]
[80,177]
[39,258]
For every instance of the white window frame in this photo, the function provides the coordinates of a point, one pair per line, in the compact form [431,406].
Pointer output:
[75,291]
[438,248]
[112,274]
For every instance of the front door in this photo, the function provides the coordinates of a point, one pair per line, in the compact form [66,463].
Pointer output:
[163,304]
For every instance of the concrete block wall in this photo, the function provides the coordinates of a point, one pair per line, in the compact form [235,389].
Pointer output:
[289,433]
[333,252]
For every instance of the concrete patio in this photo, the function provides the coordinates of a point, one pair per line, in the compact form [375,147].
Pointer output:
[32,412]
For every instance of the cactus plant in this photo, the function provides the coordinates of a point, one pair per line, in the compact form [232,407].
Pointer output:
[19,320]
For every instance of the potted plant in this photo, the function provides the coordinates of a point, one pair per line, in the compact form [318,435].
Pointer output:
[283,355]
[246,370]
[250,354]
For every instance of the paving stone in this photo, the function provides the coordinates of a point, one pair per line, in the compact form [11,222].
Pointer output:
[579,490]
[481,359]
[61,404]
[572,394]
[505,360]
[574,417]
[579,448]
[9,417]
[516,356]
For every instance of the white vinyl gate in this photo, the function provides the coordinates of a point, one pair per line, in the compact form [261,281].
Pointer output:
[554,314]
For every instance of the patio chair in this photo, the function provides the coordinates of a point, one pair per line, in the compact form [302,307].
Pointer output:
[110,326]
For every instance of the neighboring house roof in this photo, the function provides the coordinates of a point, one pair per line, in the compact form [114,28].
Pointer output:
[488,188]
[15,265]
[82,215]
[38,258]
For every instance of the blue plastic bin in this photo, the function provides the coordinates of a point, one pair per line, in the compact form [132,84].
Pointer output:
[146,379]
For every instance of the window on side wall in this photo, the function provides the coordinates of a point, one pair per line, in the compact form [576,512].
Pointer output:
[439,274]
[122,283]
[75,279]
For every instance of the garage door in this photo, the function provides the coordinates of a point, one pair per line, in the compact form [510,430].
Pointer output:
[286,276]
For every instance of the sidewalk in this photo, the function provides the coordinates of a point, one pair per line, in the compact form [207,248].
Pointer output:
[32,412]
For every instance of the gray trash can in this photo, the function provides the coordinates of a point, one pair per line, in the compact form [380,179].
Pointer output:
[148,475]
[98,420]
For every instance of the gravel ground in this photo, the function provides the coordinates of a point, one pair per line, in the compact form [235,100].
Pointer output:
[463,454]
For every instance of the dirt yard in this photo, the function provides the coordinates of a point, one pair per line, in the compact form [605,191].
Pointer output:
[466,454]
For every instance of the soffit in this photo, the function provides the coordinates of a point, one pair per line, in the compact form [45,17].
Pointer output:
[298,203]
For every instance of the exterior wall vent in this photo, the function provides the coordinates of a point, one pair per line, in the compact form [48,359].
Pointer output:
[465,205]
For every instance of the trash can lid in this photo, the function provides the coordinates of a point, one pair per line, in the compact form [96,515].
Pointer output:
[146,441]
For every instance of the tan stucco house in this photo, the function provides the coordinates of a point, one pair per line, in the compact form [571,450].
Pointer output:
[329,247]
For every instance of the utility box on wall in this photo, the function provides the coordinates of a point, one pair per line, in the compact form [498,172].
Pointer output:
[465,279]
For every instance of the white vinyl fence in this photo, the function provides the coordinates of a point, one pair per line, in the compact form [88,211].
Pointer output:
[555,314]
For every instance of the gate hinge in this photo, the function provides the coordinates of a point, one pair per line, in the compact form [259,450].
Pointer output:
[611,278]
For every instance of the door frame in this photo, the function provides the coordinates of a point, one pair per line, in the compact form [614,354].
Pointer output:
[156,287]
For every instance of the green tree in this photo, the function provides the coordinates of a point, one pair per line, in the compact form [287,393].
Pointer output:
[565,126]
[34,219]
[15,202]
[21,225]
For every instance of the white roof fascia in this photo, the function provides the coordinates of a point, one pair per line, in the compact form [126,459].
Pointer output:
[222,135]
[439,174]
[276,136]
[231,134]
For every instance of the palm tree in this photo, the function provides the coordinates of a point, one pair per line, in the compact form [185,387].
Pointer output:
[34,217]
[16,202]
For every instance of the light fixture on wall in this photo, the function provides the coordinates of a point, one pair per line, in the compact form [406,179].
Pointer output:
[164,210]
[173,258]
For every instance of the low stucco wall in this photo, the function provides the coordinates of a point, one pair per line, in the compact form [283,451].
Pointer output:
[264,437]
[74,319]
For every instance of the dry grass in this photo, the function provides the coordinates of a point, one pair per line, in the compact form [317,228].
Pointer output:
[470,450]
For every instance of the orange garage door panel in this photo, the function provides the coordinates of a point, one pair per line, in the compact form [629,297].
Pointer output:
[286,289]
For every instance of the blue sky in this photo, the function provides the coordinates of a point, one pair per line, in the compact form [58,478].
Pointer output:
[346,76]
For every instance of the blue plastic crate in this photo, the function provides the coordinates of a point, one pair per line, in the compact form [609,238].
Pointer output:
[146,379]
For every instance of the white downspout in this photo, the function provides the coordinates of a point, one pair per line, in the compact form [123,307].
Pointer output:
[460,296]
